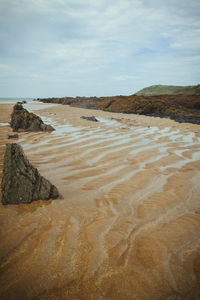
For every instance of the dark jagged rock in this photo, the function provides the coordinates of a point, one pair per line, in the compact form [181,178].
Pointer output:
[90,118]
[23,119]
[13,136]
[21,182]
[22,102]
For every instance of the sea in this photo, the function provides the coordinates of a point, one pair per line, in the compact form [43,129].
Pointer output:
[14,100]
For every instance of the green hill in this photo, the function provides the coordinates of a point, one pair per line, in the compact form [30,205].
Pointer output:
[155,90]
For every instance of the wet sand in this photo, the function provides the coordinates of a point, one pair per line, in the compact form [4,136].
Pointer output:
[128,226]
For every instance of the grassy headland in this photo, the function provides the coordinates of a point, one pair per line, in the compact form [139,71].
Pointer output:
[156,90]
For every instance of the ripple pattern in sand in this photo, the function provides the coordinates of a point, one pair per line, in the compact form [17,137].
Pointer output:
[128,226]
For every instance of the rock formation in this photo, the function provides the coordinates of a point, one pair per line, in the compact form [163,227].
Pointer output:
[92,118]
[22,102]
[23,119]
[21,182]
[181,108]
[13,136]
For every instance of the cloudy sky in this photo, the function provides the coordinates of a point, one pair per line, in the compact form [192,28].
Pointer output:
[97,47]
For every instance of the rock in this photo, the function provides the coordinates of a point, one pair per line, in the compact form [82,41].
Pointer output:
[21,182]
[13,136]
[22,102]
[23,119]
[90,118]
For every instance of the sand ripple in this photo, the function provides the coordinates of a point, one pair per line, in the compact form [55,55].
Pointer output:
[128,226]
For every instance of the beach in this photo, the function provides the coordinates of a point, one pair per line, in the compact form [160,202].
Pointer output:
[128,224]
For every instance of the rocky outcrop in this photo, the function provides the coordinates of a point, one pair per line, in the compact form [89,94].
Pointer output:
[22,102]
[21,182]
[23,119]
[92,118]
[182,107]
[13,136]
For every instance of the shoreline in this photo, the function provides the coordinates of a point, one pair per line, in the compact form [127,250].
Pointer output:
[130,214]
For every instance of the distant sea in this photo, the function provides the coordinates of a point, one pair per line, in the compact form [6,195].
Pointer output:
[14,100]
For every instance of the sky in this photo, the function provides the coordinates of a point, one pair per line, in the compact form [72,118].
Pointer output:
[56,48]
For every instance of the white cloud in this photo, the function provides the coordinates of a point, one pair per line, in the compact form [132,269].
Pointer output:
[93,40]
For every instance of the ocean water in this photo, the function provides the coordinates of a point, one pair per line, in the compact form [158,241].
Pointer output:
[14,100]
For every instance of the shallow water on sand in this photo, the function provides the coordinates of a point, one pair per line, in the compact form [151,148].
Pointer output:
[128,226]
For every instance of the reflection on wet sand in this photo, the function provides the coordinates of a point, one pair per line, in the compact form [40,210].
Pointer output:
[128,226]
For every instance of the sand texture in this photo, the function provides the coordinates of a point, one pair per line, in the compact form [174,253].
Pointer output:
[129,224]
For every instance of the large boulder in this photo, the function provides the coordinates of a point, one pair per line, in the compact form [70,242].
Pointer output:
[21,182]
[23,119]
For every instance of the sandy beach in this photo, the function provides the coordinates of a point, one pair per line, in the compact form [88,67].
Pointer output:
[128,224]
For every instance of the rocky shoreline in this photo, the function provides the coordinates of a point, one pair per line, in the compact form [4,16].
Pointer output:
[21,181]
[178,118]
[181,108]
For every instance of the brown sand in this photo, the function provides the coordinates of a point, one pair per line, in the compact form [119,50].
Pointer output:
[128,226]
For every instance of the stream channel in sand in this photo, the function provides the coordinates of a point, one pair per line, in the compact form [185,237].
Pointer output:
[128,226]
